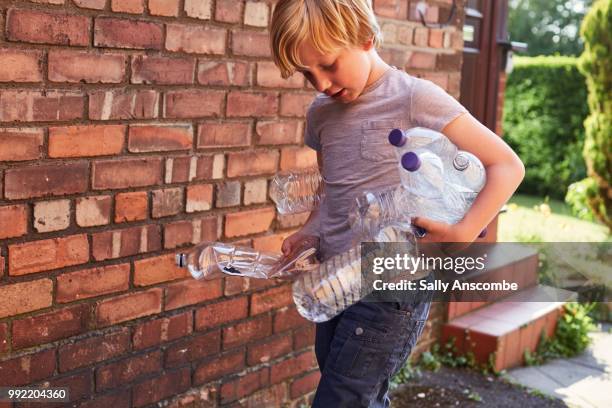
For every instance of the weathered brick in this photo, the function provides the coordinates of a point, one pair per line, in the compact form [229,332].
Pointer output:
[20,144]
[218,166]
[127,6]
[47,28]
[95,349]
[405,35]
[191,292]
[48,1]
[256,14]
[154,69]
[274,298]
[295,104]
[126,173]
[297,158]
[274,396]
[199,197]
[115,399]
[154,138]
[167,202]
[219,367]
[278,132]
[84,141]
[13,221]
[422,60]
[304,337]
[123,33]
[93,282]
[193,348]
[268,75]
[188,168]
[224,134]
[80,66]
[243,104]
[27,369]
[201,9]
[128,370]
[51,215]
[48,254]
[166,385]
[244,385]
[39,181]
[79,384]
[228,194]
[292,367]
[34,106]
[133,206]
[397,9]
[191,231]
[304,385]
[167,8]
[158,269]
[93,211]
[252,163]
[20,65]
[255,191]
[24,297]
[269,349]
[248,222]
[128,307]
[195,39]
[436,38]
[224,73]
[4,342]
[126,242]
[90,4]
[421,35]
[288,318]
[248,331]
[48,327]
[193,103]
[228,11]
[220,313]
[154,332]
[250,43]
[123,104]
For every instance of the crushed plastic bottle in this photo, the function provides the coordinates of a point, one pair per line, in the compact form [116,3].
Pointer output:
[296,192]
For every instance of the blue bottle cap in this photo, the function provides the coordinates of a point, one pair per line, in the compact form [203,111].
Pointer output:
[397,138]
[411,161]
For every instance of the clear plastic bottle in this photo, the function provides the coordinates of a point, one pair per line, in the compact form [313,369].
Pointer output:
[467,172]
[417,138]
[296,192]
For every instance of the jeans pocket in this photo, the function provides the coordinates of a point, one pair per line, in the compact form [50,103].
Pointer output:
[375,144]
[359,359]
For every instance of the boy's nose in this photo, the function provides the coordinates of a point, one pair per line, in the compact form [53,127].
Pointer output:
[322,85]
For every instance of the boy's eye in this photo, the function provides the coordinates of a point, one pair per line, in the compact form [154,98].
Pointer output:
[330,67]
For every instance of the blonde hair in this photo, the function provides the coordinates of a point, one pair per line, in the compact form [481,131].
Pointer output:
[328,24]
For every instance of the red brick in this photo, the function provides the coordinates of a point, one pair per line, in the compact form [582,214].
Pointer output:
[193,104]
[274,396]
[422,60]
[167,8]
[13,221]
[123,104]
[84,141]
[48,254]
[4,342]
[304,337]
[20,65]
[158,269]
[34,106]
[131,206]
[199,197]
[192,231]
[270,243]
[119,399]
[244,385]
[128,370]
[126,242]
[45,180]
[128,6]
[274,298]
[288,318]
[91,4]
[250,43]
[268,75]
[155,332]
[246,332]
[155,138]
[193,348]
[167,385]
[195,39]
[248,222]
[27,369]
[224,73]
[79,66]
[219,367]
[295,104]
[223,134]
[48,327]
[20,144]
[24,297]
[243,104]
[292,367]
[268,350]
[252,163]
[421,36]
[167,202]
[278,132]
[436,38]
[191,292]
[297,158]
[123,33]
[114,174]
[304,385]
[220,313]
[150,69]
[397,9]
[80,386]
[128,307]
[93,282]
[95,349]
[188,168]
[228,11]
[93,211]
[47,28]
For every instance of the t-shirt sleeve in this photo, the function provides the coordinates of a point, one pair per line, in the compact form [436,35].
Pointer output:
[311,138]
[431,107]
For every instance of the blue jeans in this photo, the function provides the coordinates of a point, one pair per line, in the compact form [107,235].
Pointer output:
[361,349]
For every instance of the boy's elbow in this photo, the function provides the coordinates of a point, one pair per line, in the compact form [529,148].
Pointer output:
[519,169]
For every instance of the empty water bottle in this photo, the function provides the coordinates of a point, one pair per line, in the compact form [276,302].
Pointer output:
[296,192]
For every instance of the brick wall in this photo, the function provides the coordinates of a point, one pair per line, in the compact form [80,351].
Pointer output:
[129,129]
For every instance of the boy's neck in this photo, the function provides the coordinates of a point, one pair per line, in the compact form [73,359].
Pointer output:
[379,67]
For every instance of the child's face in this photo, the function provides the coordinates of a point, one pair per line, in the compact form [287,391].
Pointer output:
[342,74]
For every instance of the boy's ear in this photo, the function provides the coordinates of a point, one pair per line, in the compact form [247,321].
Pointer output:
[368,45]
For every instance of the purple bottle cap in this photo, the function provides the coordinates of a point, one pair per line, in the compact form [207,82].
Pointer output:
[420,232]
[483,233]
[411,162]
[397,138]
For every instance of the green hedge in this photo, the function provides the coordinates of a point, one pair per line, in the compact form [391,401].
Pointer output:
[544,112]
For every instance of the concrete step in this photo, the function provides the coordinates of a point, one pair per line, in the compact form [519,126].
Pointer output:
[502,331]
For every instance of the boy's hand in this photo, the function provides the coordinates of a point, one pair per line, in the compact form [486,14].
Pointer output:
[297,240]
[441,232]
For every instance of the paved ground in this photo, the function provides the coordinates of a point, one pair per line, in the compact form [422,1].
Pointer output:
[582,381]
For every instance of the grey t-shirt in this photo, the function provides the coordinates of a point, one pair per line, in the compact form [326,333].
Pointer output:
[355,150]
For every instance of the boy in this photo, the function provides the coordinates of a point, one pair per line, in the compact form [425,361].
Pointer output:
[333,44]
